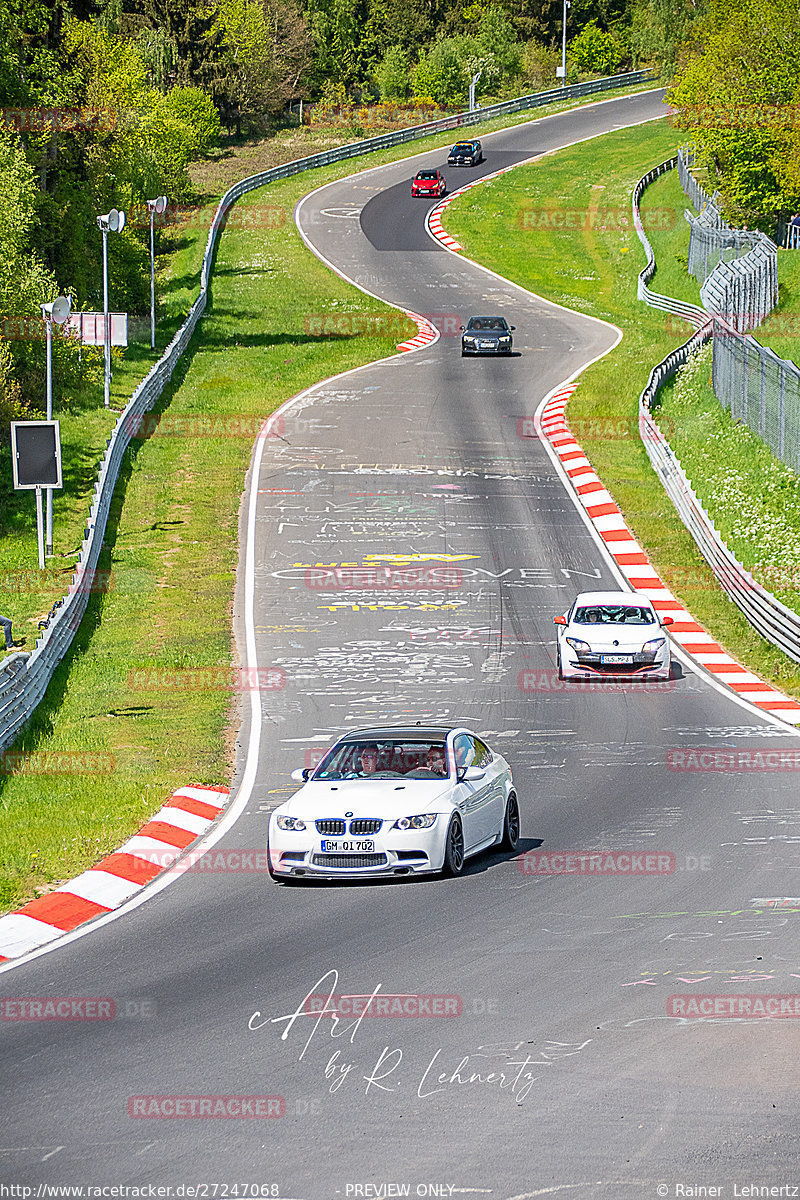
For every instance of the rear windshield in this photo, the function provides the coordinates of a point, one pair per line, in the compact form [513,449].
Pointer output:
[613,614]
[394,759]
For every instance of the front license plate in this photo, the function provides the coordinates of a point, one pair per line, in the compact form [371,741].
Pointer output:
[617,659]
[363,847]
[486,345]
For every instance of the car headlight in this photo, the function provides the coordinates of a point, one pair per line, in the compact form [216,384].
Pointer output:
[505,337]
[422,821]
[470,340]
[577,644]
[290,823]
[653,646]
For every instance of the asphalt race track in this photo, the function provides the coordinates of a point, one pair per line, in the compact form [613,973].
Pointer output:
[563,1072]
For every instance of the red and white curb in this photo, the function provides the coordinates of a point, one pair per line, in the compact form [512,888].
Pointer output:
[427,333]
[642,576]
[188,813]
[433,221]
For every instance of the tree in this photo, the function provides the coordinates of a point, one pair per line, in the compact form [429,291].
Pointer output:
[393,74]
[659,28]
[267,46]
[737,93]
[441,73]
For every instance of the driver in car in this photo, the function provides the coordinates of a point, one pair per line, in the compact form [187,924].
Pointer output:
[369,761]
[435,761]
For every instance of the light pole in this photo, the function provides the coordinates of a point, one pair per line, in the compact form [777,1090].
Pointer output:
[475,79]
[155,206]
[113,221]
[57,310]
[564,43]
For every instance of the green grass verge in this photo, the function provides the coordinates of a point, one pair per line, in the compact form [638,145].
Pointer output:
[26,594]
[592,267]
[171,543]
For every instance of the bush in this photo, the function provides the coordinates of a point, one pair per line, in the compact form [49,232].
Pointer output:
[538,66]
[195,110]
[441,74]
[596,51]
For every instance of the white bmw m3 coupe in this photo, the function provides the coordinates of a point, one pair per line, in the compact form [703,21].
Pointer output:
[613,633]
[408,800]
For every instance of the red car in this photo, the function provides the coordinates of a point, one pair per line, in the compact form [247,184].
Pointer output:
[428,183]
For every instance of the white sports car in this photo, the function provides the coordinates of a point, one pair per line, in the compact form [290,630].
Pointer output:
[395,801]
[613,633]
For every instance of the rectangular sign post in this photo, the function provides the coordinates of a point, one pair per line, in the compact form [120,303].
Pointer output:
[36,464]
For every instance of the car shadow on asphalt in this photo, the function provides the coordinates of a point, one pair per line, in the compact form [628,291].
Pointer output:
[474,866]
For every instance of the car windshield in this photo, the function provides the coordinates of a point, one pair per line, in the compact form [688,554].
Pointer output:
[462,148]
[392,759]
[488,323]
[613,614]
[427,174]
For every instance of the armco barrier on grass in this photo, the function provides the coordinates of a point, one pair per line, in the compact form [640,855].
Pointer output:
[24,677]
[772,619]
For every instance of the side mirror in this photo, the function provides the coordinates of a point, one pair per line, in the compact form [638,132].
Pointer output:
[301,774]
[461,327]
[512,327]
[668,621]
[559,620]
[470,774]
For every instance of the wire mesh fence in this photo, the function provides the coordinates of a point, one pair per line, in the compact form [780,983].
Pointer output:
[760,389]
[738,268]
[739,290]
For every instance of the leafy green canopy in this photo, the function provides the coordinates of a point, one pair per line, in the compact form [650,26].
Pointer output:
[738,93]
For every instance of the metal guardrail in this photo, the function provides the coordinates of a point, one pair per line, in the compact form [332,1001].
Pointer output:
[24,677]
[772,619]
[687,312]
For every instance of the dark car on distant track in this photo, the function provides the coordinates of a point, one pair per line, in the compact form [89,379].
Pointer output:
[428,183]
[465,154]
[486,335]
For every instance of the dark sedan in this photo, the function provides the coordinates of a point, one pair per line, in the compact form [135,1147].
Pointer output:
[465,154]
[486,335]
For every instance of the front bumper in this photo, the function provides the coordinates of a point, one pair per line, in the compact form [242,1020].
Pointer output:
[497,348]
[405,852]
[583,666]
